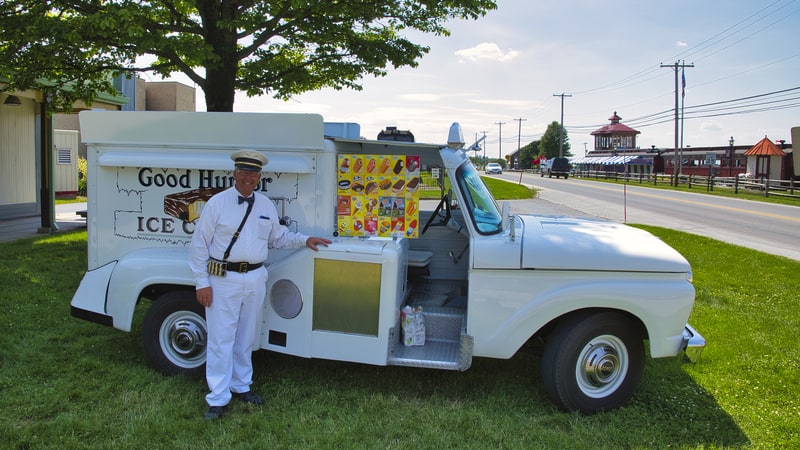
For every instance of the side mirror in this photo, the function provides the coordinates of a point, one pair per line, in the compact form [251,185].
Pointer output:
[507,223]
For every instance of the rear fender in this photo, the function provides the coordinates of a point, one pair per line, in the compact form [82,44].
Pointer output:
[89,301]
[138,270]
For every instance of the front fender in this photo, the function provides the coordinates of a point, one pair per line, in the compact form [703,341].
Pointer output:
[501,322]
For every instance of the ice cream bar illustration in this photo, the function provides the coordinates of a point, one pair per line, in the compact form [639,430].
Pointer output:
[413,164]
[398,166]
[384,166]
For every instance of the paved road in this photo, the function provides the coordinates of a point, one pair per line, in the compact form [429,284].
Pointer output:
[762,226]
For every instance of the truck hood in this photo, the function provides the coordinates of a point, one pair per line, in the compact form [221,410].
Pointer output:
[557,242]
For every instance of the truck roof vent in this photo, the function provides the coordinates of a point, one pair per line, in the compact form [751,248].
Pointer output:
[393,134]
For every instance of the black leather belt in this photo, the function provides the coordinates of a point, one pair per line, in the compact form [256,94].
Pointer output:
[242,267]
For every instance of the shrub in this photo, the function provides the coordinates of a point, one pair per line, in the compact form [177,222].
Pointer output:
[82,176]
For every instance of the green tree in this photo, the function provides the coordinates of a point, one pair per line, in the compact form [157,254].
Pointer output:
[261,47]
[549,143]
[527,154]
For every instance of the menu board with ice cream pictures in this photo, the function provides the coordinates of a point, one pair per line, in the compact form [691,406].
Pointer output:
[377,195]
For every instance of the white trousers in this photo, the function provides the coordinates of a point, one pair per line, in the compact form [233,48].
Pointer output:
[232,319]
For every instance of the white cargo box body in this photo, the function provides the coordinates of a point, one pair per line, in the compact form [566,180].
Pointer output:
[137,168]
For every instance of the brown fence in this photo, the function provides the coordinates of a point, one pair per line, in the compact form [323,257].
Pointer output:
[767,187]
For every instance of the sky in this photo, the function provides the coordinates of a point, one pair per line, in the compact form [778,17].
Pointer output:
[503,74]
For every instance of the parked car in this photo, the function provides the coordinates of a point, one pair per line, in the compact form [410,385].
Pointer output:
[493,168]
[556,166]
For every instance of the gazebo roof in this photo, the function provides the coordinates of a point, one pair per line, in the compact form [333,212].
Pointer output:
[765,147]
[615,128]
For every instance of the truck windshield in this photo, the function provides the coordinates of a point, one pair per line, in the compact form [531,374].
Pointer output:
[479,203]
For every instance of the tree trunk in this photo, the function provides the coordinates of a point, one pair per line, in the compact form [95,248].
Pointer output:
[220,85]
[219,89]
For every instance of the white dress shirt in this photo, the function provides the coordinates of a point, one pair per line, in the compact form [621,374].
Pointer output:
[219,220]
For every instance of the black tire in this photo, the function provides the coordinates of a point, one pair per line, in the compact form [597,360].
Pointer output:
[174,334]
[593,363]
[566,177]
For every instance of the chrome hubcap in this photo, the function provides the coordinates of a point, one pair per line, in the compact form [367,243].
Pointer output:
[602,365]
[183,339]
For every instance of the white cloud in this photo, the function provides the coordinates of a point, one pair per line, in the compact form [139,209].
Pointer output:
[681,44]
[505,103]
[420,97]
[486,50]
[712,127]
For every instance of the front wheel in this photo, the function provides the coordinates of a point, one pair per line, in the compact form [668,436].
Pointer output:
[593,363]
[174,334]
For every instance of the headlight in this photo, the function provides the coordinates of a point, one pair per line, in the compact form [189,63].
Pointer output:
[689,277]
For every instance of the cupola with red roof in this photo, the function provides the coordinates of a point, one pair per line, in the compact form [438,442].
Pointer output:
[615,136]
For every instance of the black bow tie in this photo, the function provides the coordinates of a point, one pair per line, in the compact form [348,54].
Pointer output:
[249,200]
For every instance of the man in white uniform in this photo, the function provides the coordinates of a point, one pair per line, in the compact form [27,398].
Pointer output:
[230,280]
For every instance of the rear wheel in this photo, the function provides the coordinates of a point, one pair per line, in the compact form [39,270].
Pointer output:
[174,334]
[593,363]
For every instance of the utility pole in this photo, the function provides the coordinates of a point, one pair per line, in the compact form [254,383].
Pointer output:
[678,163]
[561,131]
[500,140]
[519,138]
[484,148]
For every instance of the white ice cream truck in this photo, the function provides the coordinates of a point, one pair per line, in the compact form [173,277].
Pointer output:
[433,288]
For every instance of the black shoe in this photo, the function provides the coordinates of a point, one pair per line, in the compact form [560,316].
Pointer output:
[215,412]
[248,397]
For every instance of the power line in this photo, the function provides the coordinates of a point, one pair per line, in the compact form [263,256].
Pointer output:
[711,44]
[746,105]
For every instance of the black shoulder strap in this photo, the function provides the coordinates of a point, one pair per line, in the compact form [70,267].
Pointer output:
[236,235]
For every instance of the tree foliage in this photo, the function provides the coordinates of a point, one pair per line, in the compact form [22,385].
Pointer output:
[527,154]
[549,143]
[261,47]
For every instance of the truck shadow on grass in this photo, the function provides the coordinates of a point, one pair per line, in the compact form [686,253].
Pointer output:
[504,398]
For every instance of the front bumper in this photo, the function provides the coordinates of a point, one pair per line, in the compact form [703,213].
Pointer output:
[693,344]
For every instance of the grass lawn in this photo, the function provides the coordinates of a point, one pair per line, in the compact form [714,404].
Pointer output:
[78,199]
[67,383]
[500,189]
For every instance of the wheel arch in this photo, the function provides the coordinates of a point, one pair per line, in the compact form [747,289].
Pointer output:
[146,273]
[577,315]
